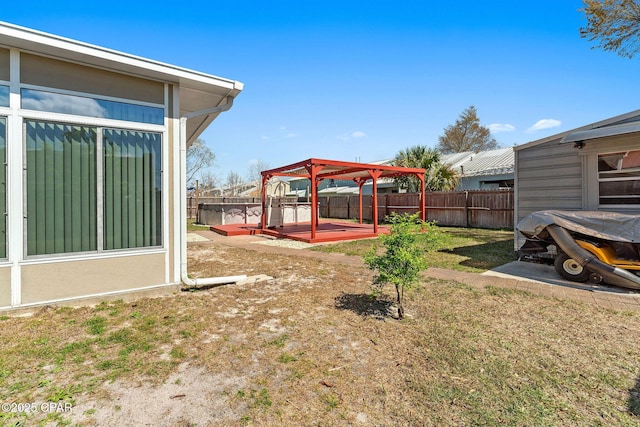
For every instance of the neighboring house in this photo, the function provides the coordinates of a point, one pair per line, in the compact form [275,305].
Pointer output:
[485,170]
[594,167]
[300,187]
[92,167]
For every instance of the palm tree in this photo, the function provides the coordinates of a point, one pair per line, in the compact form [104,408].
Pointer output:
[438,176]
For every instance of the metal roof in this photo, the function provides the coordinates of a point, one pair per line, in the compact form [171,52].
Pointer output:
[491,162]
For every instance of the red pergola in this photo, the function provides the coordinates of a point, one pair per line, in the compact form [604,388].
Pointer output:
[317,170]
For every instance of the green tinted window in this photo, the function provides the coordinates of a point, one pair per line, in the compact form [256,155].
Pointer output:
[61,188]
[132,189]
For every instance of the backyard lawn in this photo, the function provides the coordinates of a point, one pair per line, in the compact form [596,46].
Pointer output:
[308,346]
[464,249]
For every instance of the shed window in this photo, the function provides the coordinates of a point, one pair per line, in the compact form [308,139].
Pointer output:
[619,178]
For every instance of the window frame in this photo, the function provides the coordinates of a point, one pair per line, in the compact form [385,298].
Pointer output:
[4,177]
[99,124]
[612,178]
[89,97]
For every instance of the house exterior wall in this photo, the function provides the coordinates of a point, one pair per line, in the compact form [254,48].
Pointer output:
[65,280]
[480,182]
[5,286]
[29,280]
[92,160]
[4,64]
[51,73]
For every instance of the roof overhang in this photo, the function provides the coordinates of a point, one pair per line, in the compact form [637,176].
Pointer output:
[630,117]
[198,91]
[602,132]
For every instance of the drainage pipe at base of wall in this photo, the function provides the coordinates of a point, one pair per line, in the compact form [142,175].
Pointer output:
[186,280]
[612,275]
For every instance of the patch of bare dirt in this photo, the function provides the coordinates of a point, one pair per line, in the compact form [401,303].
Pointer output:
[308,346]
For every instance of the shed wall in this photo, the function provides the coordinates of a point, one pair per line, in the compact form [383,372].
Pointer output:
[548,176]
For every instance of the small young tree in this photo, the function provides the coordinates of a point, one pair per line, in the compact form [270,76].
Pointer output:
[403,258]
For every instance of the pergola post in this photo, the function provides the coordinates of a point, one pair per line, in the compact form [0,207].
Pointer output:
[313,175]
[374,202]
[423,199]
[263,198]
[360,182]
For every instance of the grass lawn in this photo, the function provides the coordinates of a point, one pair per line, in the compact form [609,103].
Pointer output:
[309,347]
[464,249]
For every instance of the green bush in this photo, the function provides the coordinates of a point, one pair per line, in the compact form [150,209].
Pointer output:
[402,259]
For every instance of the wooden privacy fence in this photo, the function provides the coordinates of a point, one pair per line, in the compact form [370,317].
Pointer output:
[478,209]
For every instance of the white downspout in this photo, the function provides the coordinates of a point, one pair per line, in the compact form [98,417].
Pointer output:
[183,203]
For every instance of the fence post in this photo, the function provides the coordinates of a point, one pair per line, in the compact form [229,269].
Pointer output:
[466,208]
[328,207]
[386,205]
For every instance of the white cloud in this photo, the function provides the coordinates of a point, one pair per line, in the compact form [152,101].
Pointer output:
[291,135]
[265,137]
[544,124]
[352,135]
[501,127]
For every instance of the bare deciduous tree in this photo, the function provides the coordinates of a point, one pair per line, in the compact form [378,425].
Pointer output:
[199,157]
[466,134]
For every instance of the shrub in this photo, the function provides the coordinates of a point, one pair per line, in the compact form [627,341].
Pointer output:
[402,259]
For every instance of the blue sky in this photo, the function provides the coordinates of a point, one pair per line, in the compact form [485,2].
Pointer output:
[354,79]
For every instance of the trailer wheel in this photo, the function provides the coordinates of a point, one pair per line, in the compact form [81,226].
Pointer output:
[569,269]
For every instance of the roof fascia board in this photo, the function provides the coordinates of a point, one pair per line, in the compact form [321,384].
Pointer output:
[559,136]
[601,132]
[44,43]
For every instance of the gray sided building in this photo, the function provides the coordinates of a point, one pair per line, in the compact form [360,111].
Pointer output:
[593,168]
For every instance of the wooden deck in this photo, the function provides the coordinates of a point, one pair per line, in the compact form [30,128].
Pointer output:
[327,231]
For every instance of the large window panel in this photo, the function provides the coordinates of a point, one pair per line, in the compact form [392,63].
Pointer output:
[87,106]
[3,187]
[132,189]
[4,96]
[61,188]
